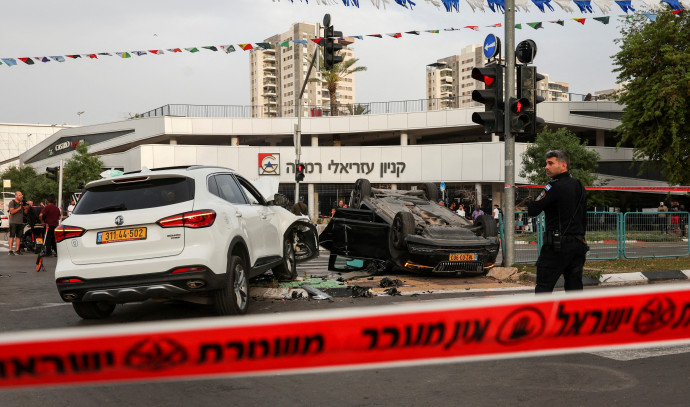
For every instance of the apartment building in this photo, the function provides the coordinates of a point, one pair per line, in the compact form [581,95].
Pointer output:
[449,82]
[277,75]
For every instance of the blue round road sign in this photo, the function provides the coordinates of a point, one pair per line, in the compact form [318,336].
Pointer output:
[491,46]
[443,186]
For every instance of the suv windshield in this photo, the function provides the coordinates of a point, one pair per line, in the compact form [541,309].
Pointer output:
[135,195]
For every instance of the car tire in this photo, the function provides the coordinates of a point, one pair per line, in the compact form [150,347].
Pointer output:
[361,192]
[403,225]
[93,309]
[488,226]
[287,270]
[233,299]
[431,191]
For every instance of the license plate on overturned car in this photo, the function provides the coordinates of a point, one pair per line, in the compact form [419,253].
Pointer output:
[121,235]
[462,257]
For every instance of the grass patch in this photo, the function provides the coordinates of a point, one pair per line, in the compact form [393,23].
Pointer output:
[593,268]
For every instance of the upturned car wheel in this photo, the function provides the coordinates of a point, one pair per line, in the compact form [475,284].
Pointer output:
[487,225]
[93,310]
[431,191]
[361,192]
[403,226]
[233,299]
[287,271]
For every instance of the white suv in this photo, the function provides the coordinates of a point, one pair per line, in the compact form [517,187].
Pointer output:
[193,233]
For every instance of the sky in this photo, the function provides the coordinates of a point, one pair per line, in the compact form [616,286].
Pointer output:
[112,89]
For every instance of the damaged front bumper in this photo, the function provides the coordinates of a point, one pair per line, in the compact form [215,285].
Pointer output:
[449,256]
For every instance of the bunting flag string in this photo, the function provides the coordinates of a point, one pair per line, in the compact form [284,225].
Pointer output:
[230,48]
[497,6]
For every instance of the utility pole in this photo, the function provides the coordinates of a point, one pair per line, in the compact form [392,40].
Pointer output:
[509,140]
[59,202]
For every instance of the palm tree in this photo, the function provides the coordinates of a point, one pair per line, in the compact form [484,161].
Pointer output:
[358,109]
[332,76]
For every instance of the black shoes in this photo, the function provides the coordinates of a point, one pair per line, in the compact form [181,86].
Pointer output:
[11,253]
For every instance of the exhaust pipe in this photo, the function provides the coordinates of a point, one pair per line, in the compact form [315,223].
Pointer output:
[195,283]
[69,297]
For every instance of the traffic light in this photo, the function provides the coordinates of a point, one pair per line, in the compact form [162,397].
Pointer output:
[331,47]
[527,89]
[52,173]
[299,172]
[519,118]
[491,97]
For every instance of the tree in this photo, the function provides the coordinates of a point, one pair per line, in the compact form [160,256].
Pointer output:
[33,186]
[333,76]
[583,162]
[654,67]
[81,168]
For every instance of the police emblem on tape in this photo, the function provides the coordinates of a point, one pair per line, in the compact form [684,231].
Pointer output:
[155,354]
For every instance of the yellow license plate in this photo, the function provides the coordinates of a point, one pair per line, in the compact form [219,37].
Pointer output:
[121,235]
[462,257]
[39,240]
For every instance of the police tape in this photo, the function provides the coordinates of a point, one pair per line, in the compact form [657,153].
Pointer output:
[612,188]
[409,334]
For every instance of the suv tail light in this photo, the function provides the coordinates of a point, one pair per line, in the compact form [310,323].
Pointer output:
[196,219]
[63,232]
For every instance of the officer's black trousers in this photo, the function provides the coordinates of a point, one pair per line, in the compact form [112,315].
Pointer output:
[568,262]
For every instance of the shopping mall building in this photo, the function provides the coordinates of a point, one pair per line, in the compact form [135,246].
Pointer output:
[398,150]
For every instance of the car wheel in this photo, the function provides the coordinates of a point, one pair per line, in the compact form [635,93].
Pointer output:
[361,192]
[233,299]
[287,271]
[93,309]
[431,191]
[403,226]
[487,225]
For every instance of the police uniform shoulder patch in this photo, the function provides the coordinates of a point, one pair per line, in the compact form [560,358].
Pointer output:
[547,187]
[541,196]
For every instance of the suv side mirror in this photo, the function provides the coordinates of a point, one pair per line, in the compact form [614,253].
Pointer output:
[279,200]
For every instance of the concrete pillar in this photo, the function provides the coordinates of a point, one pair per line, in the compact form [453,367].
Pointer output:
[478,191]
[600,138]
[495,138]
[312,198]
[497,194]
[314,140]
[403,138]
[234,141]
[173,141]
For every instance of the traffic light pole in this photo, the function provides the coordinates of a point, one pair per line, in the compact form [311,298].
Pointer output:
[509,192]
[298,127]
[59,200]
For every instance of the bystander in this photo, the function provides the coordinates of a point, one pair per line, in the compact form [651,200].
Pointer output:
[17,208]
[50,216]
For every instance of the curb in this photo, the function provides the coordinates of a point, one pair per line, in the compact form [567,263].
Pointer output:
[620,279]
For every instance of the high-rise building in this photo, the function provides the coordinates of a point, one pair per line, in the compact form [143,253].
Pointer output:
[449,82]
[276,75]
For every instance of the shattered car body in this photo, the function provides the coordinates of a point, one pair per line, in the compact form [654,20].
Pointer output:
[406,229]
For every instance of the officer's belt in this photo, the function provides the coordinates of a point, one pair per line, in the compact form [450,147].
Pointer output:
[574,237]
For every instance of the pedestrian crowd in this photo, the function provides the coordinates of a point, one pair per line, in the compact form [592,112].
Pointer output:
[38,222]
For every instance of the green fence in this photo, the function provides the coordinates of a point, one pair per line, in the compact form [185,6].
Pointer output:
[611,235]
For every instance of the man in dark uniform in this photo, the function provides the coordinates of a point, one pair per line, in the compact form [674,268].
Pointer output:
[300,208]
[563,201]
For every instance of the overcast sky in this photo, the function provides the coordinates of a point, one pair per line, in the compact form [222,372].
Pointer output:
[110,88]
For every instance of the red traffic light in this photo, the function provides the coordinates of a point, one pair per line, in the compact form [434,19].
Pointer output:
[300,167]
[487,74]
[519,105]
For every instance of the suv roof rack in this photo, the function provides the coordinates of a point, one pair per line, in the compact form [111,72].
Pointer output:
[178,167]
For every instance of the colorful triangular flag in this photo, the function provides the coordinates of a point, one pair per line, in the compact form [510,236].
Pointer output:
[317,40]
[580,20]
[105,54]
[45,59]
[192,49]
[412,32]
[73,56]
[9,61]
[285,44]
[92,56]
[156,51]
[536,26]
[214,48]
[472,27]
[395,35]
[27,61]
[559,22]
[140,53]
[518,26]
[625,5]
[650,16]
[603,20]
[58,58]
[432,31]
[246,47]
[228,48]
[375,35]
[123,54]
[174,50]
[359,37]
[265,45]
[303,42]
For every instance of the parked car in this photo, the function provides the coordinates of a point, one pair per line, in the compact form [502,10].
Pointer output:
[4,221]
[195,233]
[408,229]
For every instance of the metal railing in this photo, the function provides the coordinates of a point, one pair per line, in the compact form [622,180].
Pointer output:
[343,109]
[611,236]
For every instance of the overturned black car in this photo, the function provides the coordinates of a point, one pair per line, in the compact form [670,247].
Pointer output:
[408,230]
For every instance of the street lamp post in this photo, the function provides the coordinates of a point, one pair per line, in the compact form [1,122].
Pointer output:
[79,114]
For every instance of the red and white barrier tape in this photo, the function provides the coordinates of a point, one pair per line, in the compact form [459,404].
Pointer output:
[646,189]
[413,333]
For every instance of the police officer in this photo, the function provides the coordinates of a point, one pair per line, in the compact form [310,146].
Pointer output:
[563,201]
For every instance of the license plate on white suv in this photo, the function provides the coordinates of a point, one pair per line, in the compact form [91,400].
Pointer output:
[121,235]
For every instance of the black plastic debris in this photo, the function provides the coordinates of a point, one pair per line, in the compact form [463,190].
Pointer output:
[296,295]
[387,282]
[392,291]
[358,291]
